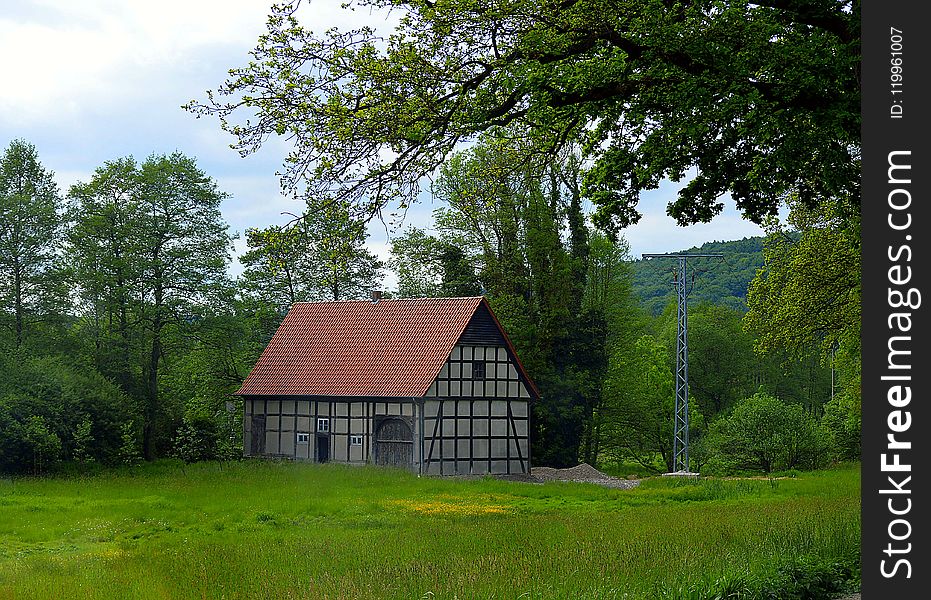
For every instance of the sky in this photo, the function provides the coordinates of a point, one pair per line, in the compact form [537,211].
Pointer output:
[88,81]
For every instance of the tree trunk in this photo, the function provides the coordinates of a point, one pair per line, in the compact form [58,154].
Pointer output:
[18,300]
[151,409]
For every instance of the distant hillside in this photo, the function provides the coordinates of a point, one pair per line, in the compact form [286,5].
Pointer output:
[722,281]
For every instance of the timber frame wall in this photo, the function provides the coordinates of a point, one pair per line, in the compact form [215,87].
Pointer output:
[287,416]
[477,426]
[474,418]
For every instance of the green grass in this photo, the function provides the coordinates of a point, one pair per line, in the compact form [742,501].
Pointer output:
[286,530]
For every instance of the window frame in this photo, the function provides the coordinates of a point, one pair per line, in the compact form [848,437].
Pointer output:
[323,424]
[478,370]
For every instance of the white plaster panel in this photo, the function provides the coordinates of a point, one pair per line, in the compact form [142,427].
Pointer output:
[271,442]
[499,448]
[462,447]
[520,427]
[465,426]
[449,448]
[479,448]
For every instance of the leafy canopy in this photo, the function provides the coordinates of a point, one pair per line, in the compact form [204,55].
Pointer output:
[759,100]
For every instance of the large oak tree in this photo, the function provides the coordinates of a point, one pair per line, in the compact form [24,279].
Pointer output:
[759,100]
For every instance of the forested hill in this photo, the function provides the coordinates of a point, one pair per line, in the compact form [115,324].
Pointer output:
[721,281]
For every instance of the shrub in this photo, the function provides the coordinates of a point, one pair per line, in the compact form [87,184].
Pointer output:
[765,434]
[842,418]
[80,407]
[196,439]
[129,453]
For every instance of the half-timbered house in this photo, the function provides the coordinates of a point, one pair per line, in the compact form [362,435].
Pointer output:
[429,384]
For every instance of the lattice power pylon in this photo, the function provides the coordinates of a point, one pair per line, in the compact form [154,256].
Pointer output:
[680,428]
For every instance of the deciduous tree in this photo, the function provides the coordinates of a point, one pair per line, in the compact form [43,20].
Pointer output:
[758,100]
[31,282]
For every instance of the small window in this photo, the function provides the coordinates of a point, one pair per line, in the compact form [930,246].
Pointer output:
[478,369]
[323,425]
[355,440]
[303,438]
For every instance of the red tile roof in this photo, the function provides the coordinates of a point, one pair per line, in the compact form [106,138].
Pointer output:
[389,348]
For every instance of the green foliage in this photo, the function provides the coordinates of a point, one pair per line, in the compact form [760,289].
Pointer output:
[637,416]
[761,100]
[26,443]
[429,267]
[149,248]
[320,256]
[129,451]
[244,530]
[196,439]
[32,289]
[765,434]
[83,442]
[68,398]
[808,294]
[717,281]
[843,418]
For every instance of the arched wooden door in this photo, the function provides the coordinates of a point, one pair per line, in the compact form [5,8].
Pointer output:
[394,443]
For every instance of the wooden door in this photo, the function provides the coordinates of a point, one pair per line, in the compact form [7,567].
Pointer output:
[258,435]
[323,448]
[394,444]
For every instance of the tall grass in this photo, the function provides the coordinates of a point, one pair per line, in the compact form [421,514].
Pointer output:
[284,530]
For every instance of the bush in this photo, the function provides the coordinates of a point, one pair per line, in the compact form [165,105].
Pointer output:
[77,405]
[842,418]
[196,439]
[27,445]
[765,434]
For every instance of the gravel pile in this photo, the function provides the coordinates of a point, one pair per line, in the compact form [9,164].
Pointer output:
[583,473]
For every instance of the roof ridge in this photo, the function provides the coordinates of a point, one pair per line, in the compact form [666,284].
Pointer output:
[386,300]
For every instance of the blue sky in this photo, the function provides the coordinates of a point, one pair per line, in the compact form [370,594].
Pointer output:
[88,81]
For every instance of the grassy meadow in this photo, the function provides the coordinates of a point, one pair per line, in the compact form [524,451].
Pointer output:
[291,530]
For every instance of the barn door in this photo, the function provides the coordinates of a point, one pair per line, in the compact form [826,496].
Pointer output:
[258,435]
[394,444]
